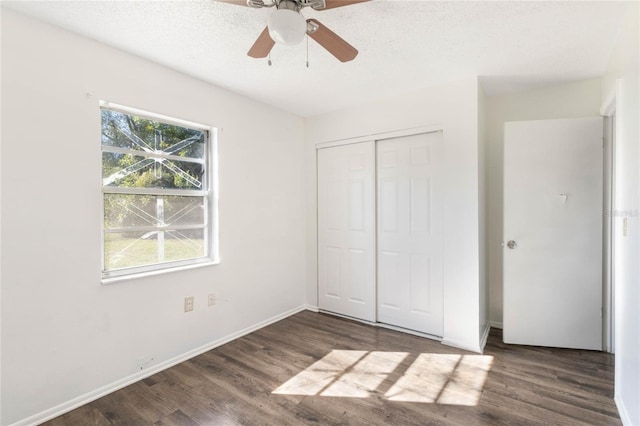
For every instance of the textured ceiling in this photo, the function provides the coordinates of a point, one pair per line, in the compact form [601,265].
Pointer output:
[404,45]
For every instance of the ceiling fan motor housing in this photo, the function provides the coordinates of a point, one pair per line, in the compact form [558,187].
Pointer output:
[288,5]
[297,4]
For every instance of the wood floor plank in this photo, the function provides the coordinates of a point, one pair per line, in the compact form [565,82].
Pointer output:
[333,371]
[87,414]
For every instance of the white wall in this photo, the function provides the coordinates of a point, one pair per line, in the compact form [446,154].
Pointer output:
[453,106]
[623,64]
[63,333]
[572,100]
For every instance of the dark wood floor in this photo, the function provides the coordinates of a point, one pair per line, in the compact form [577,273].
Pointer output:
[235,383]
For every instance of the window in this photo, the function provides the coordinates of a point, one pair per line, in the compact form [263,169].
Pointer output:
[159,210]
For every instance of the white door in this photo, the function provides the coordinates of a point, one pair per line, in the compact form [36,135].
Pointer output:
[346,230]
[410,232]
[553,233]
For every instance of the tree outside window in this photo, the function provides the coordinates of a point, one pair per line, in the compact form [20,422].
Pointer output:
[157,200]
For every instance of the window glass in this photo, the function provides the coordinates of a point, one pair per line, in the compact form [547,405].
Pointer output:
[156,197]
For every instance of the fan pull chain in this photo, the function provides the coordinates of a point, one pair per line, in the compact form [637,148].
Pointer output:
[307,50]
[269,61]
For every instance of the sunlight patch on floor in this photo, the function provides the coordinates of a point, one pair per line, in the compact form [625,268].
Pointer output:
[431,378]
[443,379]
[342,373]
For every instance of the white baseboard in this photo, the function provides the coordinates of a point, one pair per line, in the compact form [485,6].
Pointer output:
[461,345]
[485,336]
[81,400]
[496,324]
[312,308]
[622,411]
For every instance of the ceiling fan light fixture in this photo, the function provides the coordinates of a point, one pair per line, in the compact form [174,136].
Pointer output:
[287,27]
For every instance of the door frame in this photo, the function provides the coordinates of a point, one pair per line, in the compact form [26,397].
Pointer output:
[612,123]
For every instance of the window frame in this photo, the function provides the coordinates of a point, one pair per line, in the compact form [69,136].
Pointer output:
[209,194]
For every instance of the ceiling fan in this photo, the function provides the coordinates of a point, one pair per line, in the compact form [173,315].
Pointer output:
[287,26]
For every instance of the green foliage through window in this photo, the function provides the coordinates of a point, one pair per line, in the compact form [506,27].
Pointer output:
[155,192]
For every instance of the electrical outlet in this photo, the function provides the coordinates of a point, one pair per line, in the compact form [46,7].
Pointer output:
[212,299]
[188,304]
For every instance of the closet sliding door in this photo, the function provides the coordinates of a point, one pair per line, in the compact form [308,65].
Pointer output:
[346,230]
[380,231]
[409,232]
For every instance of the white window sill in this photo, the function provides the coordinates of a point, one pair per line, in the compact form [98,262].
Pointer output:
[134,276]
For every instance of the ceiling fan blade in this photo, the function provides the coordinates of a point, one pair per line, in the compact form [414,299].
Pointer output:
[238,2]
[332,42]
[262,46]
[332,4]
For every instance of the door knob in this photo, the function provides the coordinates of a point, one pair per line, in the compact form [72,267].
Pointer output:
[512,244]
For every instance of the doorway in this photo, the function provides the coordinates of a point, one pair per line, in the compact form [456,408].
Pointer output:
[608,234]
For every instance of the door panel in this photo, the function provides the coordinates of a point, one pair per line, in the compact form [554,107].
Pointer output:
[553,212]
[346,232]
[388,271]
[410,235]
[419,274]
